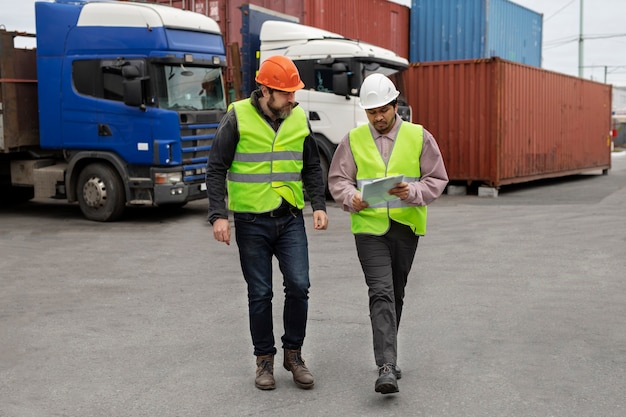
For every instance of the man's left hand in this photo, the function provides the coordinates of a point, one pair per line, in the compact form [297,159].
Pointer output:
[401,190]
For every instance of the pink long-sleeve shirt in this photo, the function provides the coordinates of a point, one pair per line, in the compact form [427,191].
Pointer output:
[432,183]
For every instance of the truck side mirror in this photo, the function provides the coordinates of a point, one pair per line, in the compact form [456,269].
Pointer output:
[130,71]
[133,86]
[340,79]
[133,93]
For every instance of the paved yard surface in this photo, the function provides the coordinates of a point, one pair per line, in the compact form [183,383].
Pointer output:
[516,306]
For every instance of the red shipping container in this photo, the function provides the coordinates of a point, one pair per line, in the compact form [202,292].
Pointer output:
[498,122]
[228,14]
[379,22]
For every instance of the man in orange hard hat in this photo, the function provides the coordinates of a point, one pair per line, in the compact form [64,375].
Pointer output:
[263,155]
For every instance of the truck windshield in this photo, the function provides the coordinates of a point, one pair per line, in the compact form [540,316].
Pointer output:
[389,72]
[190,88]
[393,74]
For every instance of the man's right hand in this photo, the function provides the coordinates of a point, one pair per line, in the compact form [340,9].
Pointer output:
[221,230]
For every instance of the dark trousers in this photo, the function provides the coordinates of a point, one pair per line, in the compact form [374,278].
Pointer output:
[260,238]
[386,261]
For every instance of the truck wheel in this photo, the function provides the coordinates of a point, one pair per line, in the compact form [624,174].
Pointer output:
[100,193]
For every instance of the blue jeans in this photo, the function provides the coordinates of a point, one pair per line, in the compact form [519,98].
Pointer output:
[260,238]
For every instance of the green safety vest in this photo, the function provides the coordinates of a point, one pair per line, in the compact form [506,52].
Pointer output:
[268,165]
[405,160]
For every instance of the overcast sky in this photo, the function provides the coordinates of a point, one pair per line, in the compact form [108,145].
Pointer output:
[604,34]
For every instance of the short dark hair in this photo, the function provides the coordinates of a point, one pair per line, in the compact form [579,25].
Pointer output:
[269,89]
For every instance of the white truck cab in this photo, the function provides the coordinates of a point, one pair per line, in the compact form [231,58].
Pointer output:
[332,68]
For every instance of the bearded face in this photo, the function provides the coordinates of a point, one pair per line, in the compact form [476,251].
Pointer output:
[382,118]
[281,103]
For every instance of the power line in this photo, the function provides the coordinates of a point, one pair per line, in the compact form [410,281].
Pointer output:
[563,41]
[614,35]
[558,11]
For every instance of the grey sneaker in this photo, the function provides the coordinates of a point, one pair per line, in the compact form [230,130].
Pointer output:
[386,382]
[397,372]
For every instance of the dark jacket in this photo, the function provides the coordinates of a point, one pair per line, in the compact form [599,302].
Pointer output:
[222,155]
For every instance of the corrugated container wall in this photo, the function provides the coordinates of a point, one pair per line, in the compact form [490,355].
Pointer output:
[379,22]
[445,30]
[228,15]
[498,122]
[19,124]
[253,19]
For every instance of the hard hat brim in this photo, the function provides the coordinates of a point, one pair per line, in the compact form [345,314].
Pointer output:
[300,86]
[377,105]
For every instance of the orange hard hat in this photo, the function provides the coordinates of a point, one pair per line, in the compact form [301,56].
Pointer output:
[280,73]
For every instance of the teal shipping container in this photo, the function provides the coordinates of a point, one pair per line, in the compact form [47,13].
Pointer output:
[446,30]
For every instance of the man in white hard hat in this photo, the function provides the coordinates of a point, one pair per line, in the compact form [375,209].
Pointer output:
[387,230]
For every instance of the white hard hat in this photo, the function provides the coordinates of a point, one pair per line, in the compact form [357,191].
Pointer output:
[376,91]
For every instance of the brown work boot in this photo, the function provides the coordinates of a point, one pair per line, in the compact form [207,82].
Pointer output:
[301,375]
[265,372]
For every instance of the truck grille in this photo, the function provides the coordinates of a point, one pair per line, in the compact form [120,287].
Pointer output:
[196,144]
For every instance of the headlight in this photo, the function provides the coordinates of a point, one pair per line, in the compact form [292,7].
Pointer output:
[168,178]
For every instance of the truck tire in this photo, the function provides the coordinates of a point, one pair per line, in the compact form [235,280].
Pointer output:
[100,193]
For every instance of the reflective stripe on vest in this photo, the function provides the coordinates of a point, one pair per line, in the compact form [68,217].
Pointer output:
[268,165]
[404,159]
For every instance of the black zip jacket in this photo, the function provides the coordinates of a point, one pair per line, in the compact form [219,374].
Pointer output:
[222,155]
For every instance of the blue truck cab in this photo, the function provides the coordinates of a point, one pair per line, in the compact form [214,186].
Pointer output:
[130,96]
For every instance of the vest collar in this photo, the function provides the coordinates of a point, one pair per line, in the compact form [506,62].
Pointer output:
[392,134]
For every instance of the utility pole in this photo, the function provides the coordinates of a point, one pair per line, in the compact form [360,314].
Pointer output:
[580,43]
